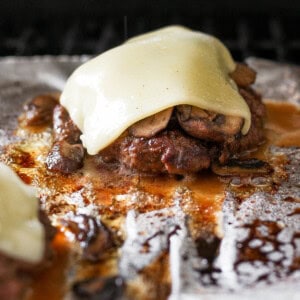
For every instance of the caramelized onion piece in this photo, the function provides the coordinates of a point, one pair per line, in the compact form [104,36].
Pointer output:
[148,127]
[243,75]
[207,125]
[242,167]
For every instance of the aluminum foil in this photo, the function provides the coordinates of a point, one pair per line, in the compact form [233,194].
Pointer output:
[23,78]
[276,81]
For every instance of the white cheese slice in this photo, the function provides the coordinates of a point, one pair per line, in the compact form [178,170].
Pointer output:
[146,75]
[22,235]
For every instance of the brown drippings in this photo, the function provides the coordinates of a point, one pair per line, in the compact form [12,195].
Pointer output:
[155,279]
[51,283]
[295,212]
[283,124]
[114,195]
[265,249]
[22,158]
[291,199]
[208,192]
[264,231]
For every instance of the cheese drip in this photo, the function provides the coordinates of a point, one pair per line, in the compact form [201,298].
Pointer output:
[146,75]
[21,233]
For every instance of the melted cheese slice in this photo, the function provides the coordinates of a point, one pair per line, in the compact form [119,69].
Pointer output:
[146,75]
[21,233]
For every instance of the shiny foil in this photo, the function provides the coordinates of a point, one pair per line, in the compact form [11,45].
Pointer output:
[244,225]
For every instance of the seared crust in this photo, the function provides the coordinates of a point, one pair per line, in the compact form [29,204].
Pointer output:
[255,135]
[175,152]
[170,151]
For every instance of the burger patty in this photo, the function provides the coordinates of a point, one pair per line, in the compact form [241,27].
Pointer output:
[192,141]
[169,151]
[175,152]
[189,142]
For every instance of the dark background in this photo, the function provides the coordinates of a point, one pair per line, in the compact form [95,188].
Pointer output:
[269,29]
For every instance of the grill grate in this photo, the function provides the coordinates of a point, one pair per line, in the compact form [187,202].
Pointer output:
[263,36]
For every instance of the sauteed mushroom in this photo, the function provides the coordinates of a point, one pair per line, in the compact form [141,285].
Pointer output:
[243,75]
[148,127]
[242,167]
[207,125]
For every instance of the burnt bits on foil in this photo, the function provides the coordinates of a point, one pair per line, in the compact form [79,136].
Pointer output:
[259,252]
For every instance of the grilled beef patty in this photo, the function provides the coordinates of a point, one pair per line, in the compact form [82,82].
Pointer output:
[192,140]
[174,151]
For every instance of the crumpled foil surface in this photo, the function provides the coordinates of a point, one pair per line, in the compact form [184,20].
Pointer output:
[245,225]
[21,78]
[276,81]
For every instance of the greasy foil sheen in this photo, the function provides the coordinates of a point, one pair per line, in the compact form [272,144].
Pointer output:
[23,78]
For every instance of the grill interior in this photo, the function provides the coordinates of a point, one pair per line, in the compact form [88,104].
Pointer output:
[261,35]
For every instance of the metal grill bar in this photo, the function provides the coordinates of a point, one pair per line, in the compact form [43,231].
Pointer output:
[262,36]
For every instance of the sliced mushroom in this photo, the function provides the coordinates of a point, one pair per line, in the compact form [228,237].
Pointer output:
[207,125]
[148,127]
[243,75]
[242,167]
[63,126]
[65,158]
